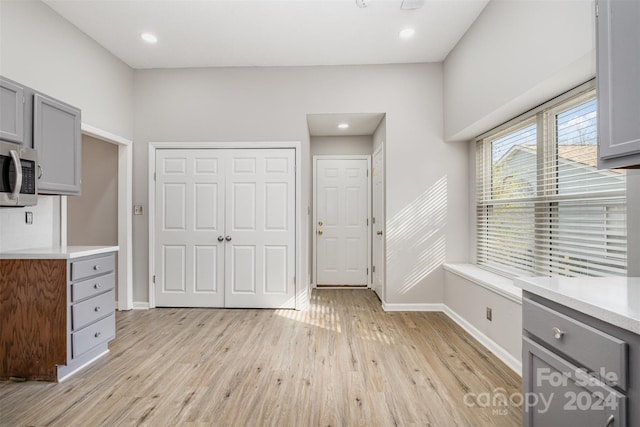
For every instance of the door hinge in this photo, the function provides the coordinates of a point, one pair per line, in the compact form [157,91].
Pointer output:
[367,271]
[294,280]
[373,269]
[597,10]
[367,222]
[367,172]
[154,278]
[373,220]
[154,176]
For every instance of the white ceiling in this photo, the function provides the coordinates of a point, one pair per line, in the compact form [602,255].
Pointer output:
[211,33]
[359,124]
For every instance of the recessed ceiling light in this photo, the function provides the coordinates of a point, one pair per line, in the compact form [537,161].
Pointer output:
[149,38]
[343,125]
[407,33]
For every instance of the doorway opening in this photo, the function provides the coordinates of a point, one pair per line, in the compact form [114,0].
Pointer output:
[343,229]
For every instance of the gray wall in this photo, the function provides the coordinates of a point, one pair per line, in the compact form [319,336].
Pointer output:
[426,190]
[92,218]
[518,54]
[334,145]
[42,50]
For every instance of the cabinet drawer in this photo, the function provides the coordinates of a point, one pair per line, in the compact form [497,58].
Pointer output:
[92,309]
[91,287]
[93,266]
[559,394]
[594,350]
[92,335]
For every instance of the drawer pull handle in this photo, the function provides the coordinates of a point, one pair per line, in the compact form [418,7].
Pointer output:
[610,421]
[96,286]
[96,267]
[97,309]
[558,333]
[97,335]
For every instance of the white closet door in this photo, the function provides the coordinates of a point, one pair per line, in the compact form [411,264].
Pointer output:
[260,224]
[341,212]
[189,219]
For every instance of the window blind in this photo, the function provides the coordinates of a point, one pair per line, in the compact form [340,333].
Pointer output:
[543,207]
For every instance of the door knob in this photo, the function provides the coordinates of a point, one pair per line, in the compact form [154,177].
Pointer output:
[379,233]
[220,238]
[228,238]
[320,232]
[320,223]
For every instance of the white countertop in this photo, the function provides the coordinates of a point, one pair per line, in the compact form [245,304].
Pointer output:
[58,252]
[615,300]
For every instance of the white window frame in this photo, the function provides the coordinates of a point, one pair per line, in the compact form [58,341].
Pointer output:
[546,144]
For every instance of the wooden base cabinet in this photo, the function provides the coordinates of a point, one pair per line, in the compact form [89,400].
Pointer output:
[56,315]
[577,370]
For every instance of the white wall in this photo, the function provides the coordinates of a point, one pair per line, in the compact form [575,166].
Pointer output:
[470,301]
[40,49]
[380,134]
[16,234]
[426,183]
[518,54]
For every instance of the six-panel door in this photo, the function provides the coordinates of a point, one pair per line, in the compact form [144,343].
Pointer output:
[342,221]
[225,228]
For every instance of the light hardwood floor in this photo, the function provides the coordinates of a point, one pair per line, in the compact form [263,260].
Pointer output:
[343,363]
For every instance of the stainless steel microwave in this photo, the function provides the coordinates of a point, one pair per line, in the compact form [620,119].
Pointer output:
[18,177]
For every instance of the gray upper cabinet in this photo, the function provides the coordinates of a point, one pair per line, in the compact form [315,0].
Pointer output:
[56,136]
[12,114]
[618,81]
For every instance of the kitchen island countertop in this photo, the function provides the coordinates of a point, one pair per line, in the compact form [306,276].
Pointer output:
[615,300]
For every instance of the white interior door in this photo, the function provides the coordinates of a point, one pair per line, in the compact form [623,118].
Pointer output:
[225,228]
[189,220]
[342,217]
[260,215]
[377,173]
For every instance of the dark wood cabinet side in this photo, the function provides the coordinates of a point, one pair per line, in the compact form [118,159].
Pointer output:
[33,316]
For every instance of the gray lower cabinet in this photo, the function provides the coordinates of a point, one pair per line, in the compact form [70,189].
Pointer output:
[557,393]
[91,310]
[15,112]
[577,370]
[618,77]
[57,137]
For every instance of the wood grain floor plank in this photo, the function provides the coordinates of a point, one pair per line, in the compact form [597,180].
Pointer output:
[345,362]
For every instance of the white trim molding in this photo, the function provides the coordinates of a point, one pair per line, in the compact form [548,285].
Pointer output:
[314,240]
[492,346]
[412,307]
[125,212]
[491,281]
[140,305]
[303,293]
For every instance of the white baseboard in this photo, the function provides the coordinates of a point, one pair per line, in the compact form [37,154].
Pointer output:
[412,307]
[140,305]
[491,345]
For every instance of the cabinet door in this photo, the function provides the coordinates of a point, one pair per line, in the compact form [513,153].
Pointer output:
[618,82]
[558,393]
[56,136]
[11,112]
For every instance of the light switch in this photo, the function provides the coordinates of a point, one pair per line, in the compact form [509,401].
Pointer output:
[137,210]
[28,217]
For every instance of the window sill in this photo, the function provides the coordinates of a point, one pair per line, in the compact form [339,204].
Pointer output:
[488,280]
